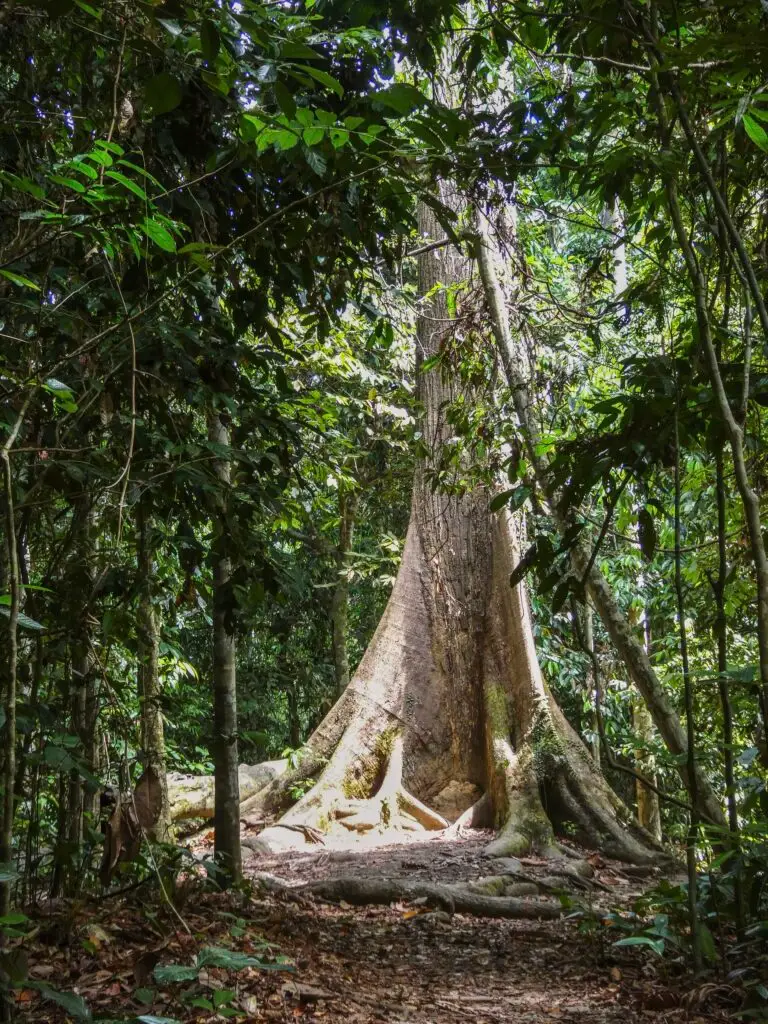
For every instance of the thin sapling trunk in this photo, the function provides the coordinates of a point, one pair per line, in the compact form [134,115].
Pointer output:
[226,817]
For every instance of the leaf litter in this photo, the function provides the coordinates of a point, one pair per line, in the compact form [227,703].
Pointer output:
[284,955]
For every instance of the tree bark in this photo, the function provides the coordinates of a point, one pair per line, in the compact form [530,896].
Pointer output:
[148,650]
[340,600]
[11,676]
[648,807]
[82,692]
[619,629]
[449,696]
[192,796]
[226,816]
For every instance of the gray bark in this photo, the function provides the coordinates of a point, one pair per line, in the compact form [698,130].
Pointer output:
[226,779]
[11,674]
[648,807]
[150,711]
[449,694]
[619,629]
[452,898]
[340,600]
[192,796]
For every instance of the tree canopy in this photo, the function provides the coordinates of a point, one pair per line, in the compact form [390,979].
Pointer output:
[342,338]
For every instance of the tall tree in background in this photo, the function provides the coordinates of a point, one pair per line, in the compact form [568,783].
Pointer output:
[448,709]
[226,818]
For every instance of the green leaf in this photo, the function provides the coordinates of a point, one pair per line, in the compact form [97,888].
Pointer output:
[62,393]
[162,93]
[57,757]
[560,595]
[19,280]
[210,40]
[170,26]
[100,157]
[312,136]
[707,940]
[79,164]
[73,183]
[232,960]
[140,170]
[175,972]
[89,10]
[24,621]
[127,183]
[401,97]
[646,534]
[500,500]
[324,79]
[150,1018]
[514,498]
[285,139]
[74,1004]
[298,51]
[657,945]
[315,161]
[160,235]
[8,873]
[756,132]
[222,996]
[16,917]
[109,145]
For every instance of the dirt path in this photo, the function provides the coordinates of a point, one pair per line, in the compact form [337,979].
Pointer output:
[316,961]
[412,964]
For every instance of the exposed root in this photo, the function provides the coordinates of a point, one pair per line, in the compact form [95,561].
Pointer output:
[385,805]
[453,898]
[191,796]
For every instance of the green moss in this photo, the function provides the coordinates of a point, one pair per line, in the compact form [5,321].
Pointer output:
[360,778]
[382,748]
[496,709]
[365,773]
[548,750]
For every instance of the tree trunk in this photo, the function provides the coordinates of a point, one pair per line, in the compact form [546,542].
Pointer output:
[619,629]
[82,694]
[150,711]
[648,809]
[226,818]
[10,680]
[340,601]
[448,702]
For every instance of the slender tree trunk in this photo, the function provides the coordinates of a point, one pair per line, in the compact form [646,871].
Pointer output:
[693,828]
[59,873]
[11,676]
[721,639]
[294,722]
[648,809]
[82,694]
[150,709]
[619,629]
[75,799]
[340,601]
[226,779]
[734,429]
[592,680]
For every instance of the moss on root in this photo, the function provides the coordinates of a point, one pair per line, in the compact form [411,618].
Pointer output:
[496,710]
[366,772]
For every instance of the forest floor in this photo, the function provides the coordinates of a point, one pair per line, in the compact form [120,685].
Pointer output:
[131,959]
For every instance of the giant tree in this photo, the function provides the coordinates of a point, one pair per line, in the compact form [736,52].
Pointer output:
[448,707]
